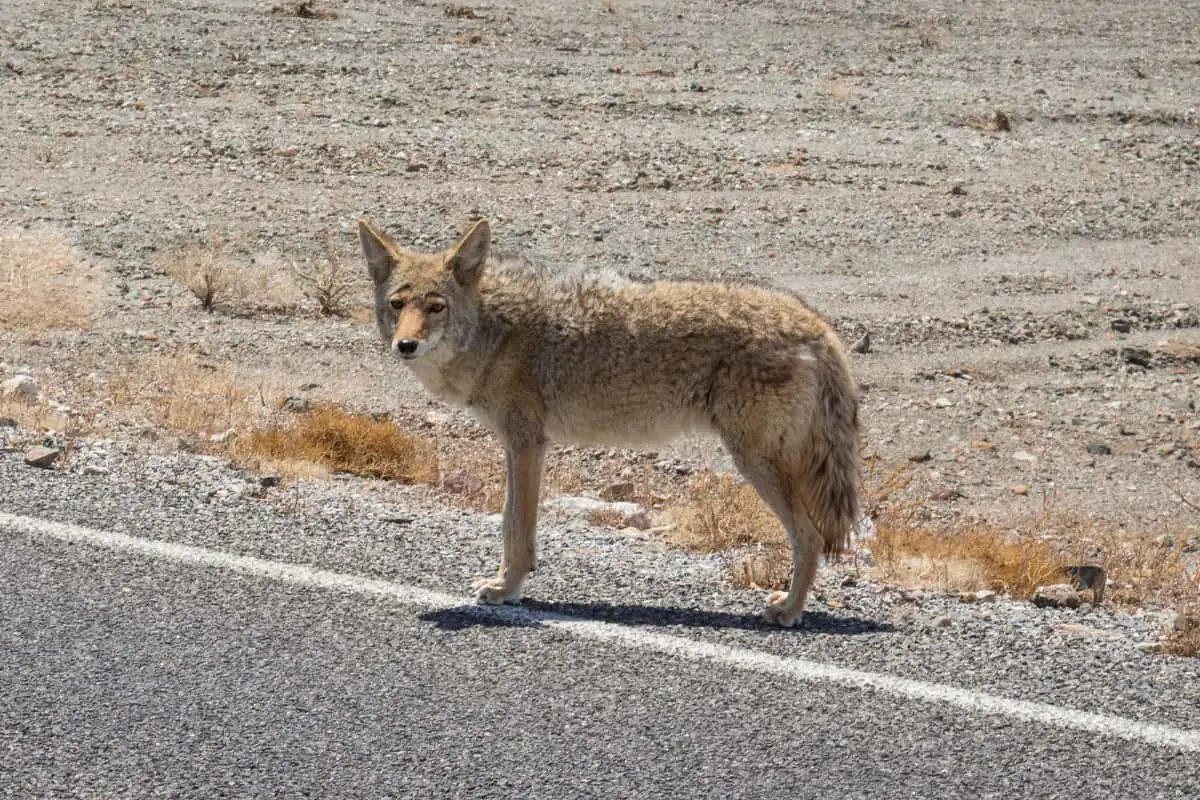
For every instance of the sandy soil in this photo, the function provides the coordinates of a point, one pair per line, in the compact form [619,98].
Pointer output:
[1005,197]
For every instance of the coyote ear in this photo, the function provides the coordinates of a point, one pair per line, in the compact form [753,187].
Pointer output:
[467,257]
[380,251]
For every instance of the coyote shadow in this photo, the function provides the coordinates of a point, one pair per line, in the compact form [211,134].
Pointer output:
[535,613]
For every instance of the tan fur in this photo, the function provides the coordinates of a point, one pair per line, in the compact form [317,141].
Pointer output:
[591,357]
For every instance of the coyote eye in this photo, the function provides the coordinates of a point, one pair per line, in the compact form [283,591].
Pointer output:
[396,303]
[435,306]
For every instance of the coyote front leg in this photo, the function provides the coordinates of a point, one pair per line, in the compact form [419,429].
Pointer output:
[524,465]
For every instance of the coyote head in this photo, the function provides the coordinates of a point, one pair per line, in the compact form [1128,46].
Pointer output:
[423,298]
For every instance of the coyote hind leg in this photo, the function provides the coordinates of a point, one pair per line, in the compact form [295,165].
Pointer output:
[786,608]
[768,479]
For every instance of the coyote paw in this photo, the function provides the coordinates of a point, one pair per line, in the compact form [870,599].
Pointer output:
[493,592]
[778,612]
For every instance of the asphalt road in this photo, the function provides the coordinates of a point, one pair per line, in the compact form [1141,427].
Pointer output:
[134,664]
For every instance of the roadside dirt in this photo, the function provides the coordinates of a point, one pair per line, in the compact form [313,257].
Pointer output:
[1006,198]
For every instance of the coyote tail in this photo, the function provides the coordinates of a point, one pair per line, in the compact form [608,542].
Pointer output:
[831,493]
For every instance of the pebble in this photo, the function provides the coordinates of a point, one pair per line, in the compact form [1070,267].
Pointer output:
[20,387]
[43,457]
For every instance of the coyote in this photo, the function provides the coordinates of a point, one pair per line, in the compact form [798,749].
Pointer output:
[592,357]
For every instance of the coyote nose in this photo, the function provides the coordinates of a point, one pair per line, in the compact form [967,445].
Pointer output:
[406,347]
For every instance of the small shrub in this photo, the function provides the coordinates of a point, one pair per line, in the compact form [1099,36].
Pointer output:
[303,10]
[329,283]
[205,272]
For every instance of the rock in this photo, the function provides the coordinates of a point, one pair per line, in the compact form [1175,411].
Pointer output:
[1057,595]
[986,596]
[20,387]
[1020,489]
[863,345]
[920,457]
[587,505]
[944,621]
[460,482]
[1024,455]
[267,481]
[1183,623]
[621,490]
[1099,449]
[42,457]
[297,405]
[224,437]
[7,422]
[864,531]
[1138,356]
[1088,578]
[1121,325]
[943,402]
[640,520]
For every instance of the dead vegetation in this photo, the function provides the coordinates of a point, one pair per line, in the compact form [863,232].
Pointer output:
[341,442]
[962,556]
[460,12]
[302,10]
[204,270]
[990,122]
[719,513]
[45,284]
[186,396]
[329,282]
[1185,639]
[265,281]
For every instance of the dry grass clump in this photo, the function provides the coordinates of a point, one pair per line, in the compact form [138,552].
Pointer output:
[722,513]
[475,477]
[45,283]
[343,442]
[38,415]
[1148,571]
[962,556]
[990,122]
[185,395]
[607,518]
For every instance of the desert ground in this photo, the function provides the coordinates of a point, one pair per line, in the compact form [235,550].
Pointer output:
[998,204]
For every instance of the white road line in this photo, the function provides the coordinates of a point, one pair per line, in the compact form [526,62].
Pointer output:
[687,649]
